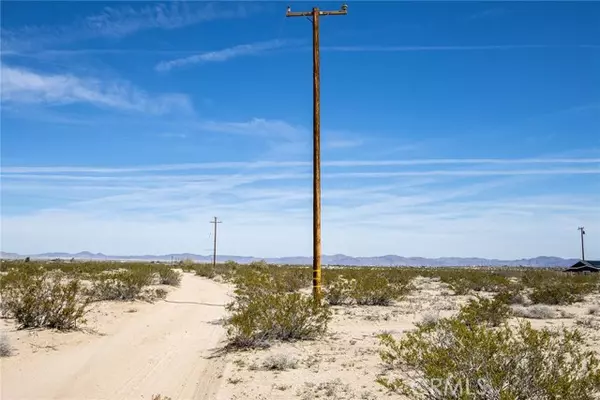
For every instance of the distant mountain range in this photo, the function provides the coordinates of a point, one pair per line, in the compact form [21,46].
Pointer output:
[337,259]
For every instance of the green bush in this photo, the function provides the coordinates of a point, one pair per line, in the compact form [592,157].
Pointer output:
[463,281]
[262,317]
[375,289]
[554,294]
[339,291]
[455,360]
[205,271]
[365,287]
[492,312]
[169,277]
[121,285]
[264,310]
[38,299]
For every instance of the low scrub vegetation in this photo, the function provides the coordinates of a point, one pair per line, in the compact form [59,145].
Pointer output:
[484,311]
[121,285]
[39,299]
[264,309]
[465,281]
[365,287]
[460,358]
[169,277]
[259,319]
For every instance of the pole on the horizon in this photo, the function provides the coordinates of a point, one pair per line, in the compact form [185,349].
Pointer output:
[316,14]
[582,230]
[215,241]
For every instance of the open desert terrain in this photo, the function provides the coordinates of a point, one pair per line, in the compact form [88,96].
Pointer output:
[177,346]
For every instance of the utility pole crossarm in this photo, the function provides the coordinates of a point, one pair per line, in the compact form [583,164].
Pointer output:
[341,11]
[310,13]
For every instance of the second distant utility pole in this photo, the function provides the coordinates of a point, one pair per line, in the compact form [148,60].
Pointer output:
[582,229]
[314,16]
[214,221]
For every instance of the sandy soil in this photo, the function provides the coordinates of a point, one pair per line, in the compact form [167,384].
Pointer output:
[133,350]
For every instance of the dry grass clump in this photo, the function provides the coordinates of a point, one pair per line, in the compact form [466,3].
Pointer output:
[539,311]
[279,362]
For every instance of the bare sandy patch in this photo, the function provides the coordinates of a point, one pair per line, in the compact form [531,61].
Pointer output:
[128,350]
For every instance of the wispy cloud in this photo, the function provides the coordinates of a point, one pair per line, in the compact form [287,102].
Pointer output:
[223,54]
[283,164]
[20,85]
[117,22]
[140,213]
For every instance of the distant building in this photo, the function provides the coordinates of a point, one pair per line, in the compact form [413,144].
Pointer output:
[584,266]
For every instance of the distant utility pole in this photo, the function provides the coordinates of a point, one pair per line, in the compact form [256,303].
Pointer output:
[581,228]
[214,221]
[316,14]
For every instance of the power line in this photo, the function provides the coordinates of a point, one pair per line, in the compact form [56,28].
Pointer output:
[316,14]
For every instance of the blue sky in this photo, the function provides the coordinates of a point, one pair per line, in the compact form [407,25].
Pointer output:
[448,129]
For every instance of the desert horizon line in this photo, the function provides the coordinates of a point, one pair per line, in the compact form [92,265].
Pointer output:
[273,257]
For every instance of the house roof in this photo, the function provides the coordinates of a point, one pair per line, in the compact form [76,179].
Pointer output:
[584,264]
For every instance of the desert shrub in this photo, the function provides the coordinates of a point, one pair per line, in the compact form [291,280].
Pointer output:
[513,294]
[38,299]
[279,362]
[260,314]
[121,285]
[554,293]
[365,287]
[428,320]
[455,360]
[205,271]
[485,311]
[535,312]
[376,289]
[339,291]
[464,281]
[6,350]
[553,288]
[292,279]
[169,277]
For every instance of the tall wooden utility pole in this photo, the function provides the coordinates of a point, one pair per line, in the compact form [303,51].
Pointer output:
[316,14]
[214,221]
[581,228]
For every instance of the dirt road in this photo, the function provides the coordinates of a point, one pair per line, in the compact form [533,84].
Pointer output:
[163,349]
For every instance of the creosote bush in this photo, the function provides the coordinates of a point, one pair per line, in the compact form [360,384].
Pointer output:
[262,311]
[485,311]
[264,317]
[39,299]
[169,277]
[121,285]
[459,359]
[365,287]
